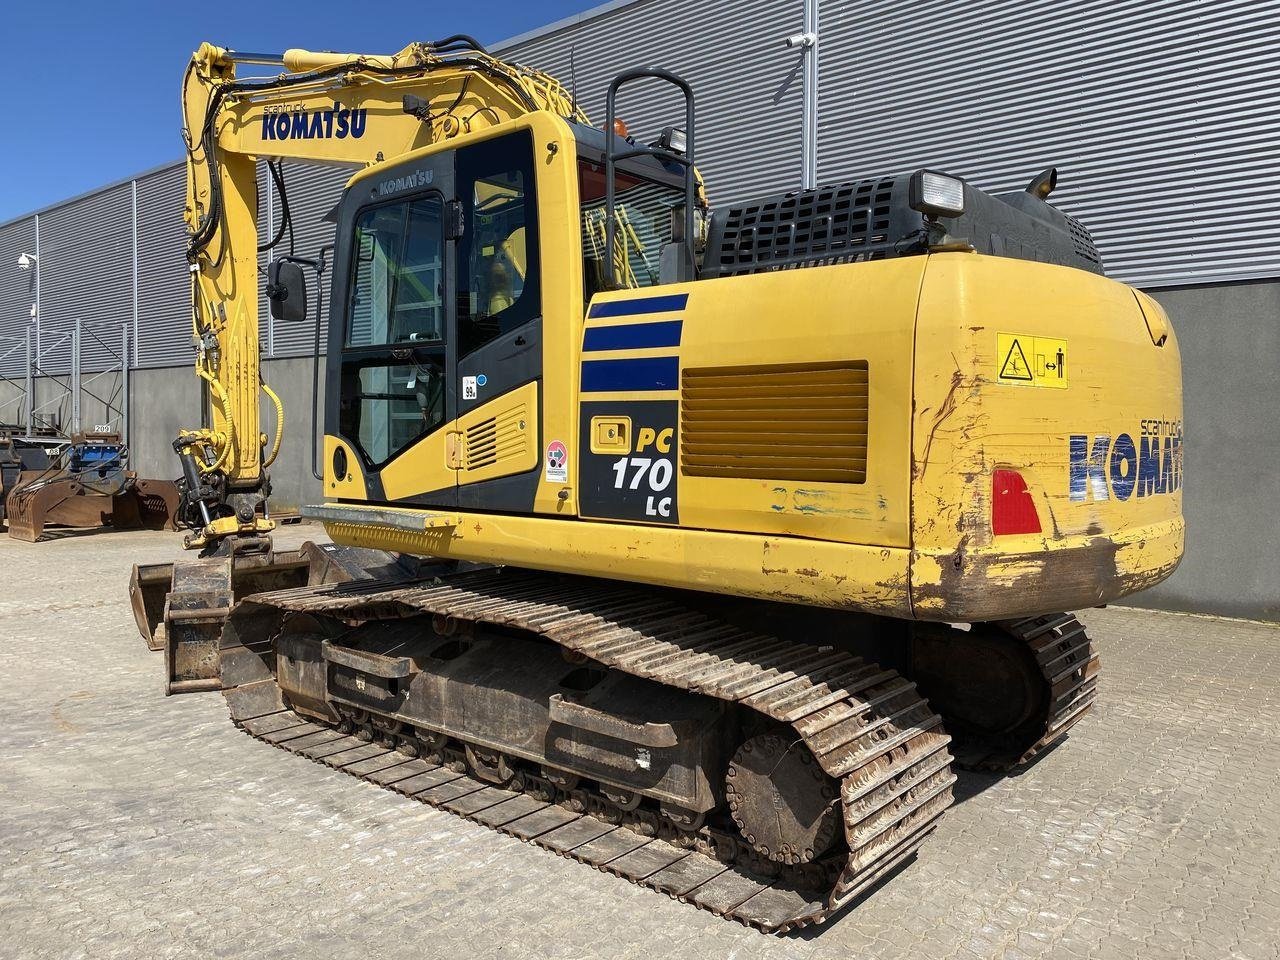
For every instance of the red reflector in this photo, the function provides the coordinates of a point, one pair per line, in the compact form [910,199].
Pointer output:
[1012,508]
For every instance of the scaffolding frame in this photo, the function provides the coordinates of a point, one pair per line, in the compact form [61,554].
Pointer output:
[72,386]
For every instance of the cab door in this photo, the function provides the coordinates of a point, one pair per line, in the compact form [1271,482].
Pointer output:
[499,325]
[392,356]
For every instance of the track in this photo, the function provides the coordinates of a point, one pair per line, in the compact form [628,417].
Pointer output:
[1062,656]
[866,727]
[1069,667]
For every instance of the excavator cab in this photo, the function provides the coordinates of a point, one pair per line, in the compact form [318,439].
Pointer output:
[455,285]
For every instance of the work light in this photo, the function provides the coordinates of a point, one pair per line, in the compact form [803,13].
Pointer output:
[936,194]
[673,140]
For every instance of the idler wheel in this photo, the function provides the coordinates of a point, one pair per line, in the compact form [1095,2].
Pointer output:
[985,682]
[784,804]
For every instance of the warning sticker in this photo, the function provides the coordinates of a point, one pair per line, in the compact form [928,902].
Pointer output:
[1032,361]
[557,462]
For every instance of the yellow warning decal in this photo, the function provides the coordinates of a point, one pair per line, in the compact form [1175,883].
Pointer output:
[1032,361]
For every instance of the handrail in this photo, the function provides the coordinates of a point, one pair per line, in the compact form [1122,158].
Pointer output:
[611,158]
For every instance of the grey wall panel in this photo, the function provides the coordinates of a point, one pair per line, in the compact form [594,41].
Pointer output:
[86,272]
[312,191]
[267,218]
[17,294]
[164,285]
[1229,340]
[1162,118]
[748,85]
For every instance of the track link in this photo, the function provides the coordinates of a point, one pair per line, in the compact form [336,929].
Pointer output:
[1068,667]
[868,729]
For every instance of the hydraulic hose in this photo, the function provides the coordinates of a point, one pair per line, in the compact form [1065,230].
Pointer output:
[224,455]
[275,444]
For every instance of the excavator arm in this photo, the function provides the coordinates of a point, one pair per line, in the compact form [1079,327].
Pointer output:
[326,108]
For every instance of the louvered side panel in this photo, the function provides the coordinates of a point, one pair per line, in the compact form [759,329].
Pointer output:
[500,438]
[780,422]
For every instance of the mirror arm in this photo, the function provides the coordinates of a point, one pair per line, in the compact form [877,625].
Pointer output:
[317,471]
[317,265]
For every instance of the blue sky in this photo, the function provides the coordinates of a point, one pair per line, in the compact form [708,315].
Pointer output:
[92,85]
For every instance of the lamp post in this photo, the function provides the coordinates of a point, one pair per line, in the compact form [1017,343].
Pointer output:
[31,261]
[807,44]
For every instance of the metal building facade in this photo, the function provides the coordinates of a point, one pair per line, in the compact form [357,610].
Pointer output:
[1160,117]
[749,86]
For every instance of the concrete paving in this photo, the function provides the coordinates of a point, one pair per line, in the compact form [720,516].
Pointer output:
[137,826]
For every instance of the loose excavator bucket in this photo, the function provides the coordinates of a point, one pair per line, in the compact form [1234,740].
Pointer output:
[37,502]
[181,607]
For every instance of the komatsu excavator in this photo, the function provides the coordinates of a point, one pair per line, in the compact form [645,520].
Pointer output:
[734,532]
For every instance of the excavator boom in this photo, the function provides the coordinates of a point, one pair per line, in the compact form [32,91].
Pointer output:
[317,110]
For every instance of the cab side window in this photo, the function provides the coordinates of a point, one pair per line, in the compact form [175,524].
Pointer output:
[499,288]
[398,282]
[392,375]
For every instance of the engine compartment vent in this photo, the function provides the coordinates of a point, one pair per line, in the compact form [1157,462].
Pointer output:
[804,228]
[872,219]
[805,422]
[498,439]
[1082,240]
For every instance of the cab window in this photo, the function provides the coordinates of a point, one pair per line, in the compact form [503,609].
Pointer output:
[392,373]
[499,288]
[397,290]
[647,214]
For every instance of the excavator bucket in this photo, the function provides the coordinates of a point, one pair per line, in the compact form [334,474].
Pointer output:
[37,502]
[180,608]
[85,485]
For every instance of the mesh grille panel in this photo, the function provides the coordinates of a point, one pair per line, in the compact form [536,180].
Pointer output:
[806,228]
[1082,240]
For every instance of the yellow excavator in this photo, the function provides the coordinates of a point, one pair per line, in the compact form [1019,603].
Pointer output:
[697,547]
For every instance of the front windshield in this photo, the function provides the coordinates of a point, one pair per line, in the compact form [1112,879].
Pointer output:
[397,290]
[646,216]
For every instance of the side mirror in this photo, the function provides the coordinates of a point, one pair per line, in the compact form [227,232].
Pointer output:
[287,291]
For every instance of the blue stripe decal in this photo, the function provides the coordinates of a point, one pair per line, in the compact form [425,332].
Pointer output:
[642,373]
[633,336]
[629,308]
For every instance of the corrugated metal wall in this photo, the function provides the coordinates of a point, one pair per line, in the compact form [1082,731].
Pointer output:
[87,270]
[313,191]
[86,273]
[17,295]
[748,85]
[1161,117]
[164,286]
